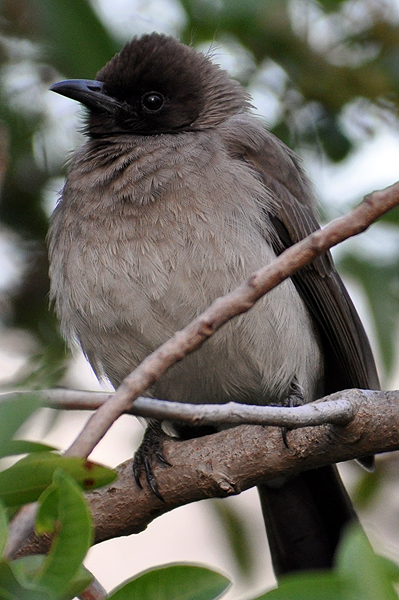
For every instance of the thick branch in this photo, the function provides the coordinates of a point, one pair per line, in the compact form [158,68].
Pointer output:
[236,459]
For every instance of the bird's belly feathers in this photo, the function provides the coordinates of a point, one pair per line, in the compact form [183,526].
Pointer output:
[131,297]
[123,286]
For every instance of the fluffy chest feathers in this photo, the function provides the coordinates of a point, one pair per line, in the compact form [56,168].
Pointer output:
[138,250]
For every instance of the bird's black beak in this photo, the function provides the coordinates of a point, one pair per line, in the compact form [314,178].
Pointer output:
[90,93]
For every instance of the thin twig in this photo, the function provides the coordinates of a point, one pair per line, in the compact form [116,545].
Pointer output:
[95,591]
[337,412]
[20,529]
[235,459]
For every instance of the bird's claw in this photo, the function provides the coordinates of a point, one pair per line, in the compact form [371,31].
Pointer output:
[151,449]
[295,398]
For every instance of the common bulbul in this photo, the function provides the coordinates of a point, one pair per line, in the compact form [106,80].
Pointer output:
[177,196]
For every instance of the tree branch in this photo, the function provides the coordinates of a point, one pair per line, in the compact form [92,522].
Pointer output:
[222,310]
[236,459]
[94,591]
[233,460]
[336,412]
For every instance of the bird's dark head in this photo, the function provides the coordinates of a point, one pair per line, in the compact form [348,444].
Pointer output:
[156,85]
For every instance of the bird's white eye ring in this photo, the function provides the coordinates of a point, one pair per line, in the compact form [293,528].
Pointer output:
[152,101]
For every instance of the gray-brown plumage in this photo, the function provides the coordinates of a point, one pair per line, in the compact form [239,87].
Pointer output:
[176,197]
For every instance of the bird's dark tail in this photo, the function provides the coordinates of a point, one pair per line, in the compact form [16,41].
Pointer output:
[304,519]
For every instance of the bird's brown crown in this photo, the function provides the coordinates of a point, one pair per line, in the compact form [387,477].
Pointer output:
[165,86]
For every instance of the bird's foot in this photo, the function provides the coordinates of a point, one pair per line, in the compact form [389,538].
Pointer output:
[295,398]
[151,450]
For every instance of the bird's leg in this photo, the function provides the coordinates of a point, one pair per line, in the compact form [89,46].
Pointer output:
[295,398]
[151,449]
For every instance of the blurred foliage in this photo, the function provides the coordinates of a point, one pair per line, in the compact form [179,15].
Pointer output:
[238,536]
[359,574]
[327,56]
[57,483]
[174,582]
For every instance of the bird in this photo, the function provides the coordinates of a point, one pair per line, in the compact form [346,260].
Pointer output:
[178,194]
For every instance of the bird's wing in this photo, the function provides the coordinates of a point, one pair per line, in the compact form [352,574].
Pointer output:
[349,360]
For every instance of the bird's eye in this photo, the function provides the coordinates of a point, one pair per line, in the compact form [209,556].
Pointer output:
[152,101]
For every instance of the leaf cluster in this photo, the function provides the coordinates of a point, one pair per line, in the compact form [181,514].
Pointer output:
[57,484]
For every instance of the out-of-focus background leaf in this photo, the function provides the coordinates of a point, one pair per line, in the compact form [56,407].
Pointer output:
[359,574]
[325,75]
[175,582]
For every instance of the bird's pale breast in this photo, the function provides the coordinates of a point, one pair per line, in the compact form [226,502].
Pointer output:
[149,248]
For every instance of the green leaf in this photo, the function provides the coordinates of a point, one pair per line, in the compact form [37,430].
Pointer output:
[359,575]
[29,477]
[3,527]
[239,538]
[12,589]
[78,584]
[48,511]
[328,132]
[13,413]
[27,566]
[308,586]
[368,487]
[25,570]
[173,582]
[72,539]
[77,42]
[371,575]
[331,5]
[14,447]
[390,568]
[385,306]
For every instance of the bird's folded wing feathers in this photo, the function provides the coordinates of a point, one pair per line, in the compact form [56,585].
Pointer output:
[348,356]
